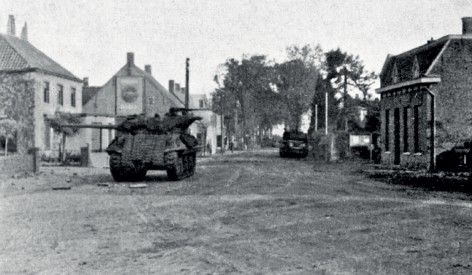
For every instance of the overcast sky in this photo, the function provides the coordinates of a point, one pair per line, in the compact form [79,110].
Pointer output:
[91,38]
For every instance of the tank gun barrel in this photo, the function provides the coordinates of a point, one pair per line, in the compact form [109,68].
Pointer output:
[90,126]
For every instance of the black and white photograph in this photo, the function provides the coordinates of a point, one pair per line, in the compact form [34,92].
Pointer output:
[235,137]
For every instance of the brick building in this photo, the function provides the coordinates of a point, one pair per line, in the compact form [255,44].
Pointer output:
[32,88]
[426,94]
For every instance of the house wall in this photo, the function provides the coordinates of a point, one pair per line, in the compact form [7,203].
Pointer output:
[104,100]
[212,122]
[454,96]
[90,137]
[400,99]
[17,101]
[11,165]
[47,109]
[156,100]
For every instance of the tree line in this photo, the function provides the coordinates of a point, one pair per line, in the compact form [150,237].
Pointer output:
[256,93]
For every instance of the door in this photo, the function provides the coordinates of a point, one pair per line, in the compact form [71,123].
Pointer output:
[396,135]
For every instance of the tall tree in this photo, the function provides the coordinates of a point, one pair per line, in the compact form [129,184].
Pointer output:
[296,83]
[347,75]
[240,88]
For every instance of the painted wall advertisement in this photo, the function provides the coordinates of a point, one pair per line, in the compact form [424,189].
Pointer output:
[129,95]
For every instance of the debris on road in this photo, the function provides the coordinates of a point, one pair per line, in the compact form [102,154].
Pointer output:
[138,185]
[61,187]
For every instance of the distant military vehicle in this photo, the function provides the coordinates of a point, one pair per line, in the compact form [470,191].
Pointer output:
[143,144]
[294,144]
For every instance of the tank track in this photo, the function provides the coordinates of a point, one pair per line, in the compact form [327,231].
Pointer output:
[126,171]
[180,165]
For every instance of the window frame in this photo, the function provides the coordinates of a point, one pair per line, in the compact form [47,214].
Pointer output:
[73,97]
[60,94]
[46,91]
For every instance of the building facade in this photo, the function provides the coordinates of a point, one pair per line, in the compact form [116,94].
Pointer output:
[33,87]
[130,91]
[210,130]
[426,94]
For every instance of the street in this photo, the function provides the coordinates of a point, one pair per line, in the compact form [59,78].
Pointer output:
[241,213]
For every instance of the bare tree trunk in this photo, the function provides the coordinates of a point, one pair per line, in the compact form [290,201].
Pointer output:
[6,145]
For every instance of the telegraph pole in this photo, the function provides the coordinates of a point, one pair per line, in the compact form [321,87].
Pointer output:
[344,98]
[326,113]
[187,65]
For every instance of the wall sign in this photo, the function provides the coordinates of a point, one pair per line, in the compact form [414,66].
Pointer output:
[129,95]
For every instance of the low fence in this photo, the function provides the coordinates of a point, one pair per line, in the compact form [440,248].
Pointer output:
[14,164]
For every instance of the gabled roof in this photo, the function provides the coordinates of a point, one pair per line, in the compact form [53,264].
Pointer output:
[175,100]
[135,71]
[19,55]
[88,92]
[425,54]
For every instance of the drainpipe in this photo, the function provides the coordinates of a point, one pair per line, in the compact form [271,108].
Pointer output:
[433,130]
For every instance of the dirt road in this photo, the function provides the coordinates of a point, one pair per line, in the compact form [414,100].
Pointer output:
[247,213]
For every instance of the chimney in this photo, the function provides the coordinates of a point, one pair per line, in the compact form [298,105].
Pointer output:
[171,86]
[466,25]
[11,25]
[177,88]
[130,58]
[86,82]
[129,62]
[24,32]
[147,68]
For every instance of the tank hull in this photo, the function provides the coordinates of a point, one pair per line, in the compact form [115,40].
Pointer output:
[131,156]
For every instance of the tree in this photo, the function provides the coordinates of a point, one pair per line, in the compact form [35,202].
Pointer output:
[347,75]
[296,84]
[57,122]
[240,88]
[8,128]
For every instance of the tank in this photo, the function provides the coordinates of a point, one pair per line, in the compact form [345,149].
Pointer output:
[294,144]
[143,144]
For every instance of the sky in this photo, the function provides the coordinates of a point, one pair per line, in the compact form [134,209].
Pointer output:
[91,38]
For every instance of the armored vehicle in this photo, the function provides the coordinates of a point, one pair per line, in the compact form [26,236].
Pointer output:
[294,144]
[143,144]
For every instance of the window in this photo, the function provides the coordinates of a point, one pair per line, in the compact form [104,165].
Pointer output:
[201,103]
[405,129]
[151,100]
[60,94]
[46,92]
[72,97]
[416,117]
[387,132]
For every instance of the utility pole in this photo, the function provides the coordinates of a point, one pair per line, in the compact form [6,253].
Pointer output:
[344,99]
[187,90]
[326,113]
